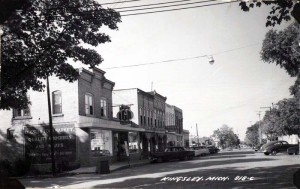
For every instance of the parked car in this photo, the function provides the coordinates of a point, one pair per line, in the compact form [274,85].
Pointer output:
[213,149]
[172,153]
[275,147]
[293,150]
[257,147]
[200,150]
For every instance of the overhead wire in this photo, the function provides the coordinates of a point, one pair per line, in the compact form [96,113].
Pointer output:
[167,6]
[169,2]
[181,59]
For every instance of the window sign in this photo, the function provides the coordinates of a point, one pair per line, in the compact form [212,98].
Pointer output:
[100,142]
[37,143]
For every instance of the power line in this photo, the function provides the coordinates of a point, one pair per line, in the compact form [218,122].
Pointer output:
[146,5]
[133,14]
[119,2]
[167,10]
[166,6]
[179,59]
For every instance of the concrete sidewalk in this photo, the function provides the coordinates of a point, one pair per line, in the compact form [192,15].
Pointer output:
[113,167]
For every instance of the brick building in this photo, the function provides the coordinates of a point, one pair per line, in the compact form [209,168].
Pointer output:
[174,126]
[148,114]
[82,117]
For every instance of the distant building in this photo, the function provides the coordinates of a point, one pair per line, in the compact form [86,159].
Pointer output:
[186,138]
[174,126]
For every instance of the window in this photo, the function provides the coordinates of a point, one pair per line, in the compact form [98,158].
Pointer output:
[89,110]
[103,105]
[21,112]
[57,102]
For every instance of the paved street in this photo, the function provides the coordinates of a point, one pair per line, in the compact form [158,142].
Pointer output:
[233,169]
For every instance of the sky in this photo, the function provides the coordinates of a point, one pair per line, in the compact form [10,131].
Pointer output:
[231,91]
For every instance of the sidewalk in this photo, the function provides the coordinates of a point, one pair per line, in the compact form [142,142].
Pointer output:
[113,167]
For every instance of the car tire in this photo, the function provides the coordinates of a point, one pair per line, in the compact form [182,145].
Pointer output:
[274,152]
[291,153]
[297,152]
[266,153]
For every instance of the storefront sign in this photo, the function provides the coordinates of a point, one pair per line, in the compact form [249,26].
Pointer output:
[38,148]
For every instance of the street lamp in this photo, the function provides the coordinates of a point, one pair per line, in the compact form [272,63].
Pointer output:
[210,59]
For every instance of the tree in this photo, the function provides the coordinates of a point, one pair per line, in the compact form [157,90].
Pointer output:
[270,125]
[7,7]
[282,120]
[289,115]
[252,134]
[226,136]
[282,48]
[41,38]
[281,10]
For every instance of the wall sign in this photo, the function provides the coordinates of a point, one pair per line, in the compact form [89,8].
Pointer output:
[38,148]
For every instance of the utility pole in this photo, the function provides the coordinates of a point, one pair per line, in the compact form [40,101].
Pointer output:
[197,134]
[51,129]
[259,128]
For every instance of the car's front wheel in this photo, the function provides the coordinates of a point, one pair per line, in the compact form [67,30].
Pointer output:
[266,153]
[274,152]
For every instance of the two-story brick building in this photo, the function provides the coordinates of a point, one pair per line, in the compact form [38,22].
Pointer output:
[174,126]
[149,111]
[82,118]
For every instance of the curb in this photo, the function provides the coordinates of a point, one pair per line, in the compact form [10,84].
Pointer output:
[80,173]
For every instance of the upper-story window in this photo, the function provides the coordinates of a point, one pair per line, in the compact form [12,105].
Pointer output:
[89,107]
[57,102]
[21,112]
[103,106]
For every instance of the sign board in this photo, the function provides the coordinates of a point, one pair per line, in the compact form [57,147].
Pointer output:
[37,143]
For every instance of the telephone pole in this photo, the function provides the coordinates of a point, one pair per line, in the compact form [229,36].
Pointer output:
[259,128]
[197,134]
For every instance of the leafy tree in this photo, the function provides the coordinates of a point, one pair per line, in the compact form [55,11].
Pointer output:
[39,40]
[252,134]
[281,10]
[270,125]
[7,7]
[226,136]
[282,48]
[289,115]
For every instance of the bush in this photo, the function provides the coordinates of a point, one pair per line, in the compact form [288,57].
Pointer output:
[20,167]
[16,168]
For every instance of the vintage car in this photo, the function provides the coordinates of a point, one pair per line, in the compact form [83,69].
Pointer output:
[275,147]
[200,150]
[172,153]
[213,149]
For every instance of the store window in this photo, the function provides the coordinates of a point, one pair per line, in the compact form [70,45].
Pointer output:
[57,102]
[101,143]
[89,109]
[133,142]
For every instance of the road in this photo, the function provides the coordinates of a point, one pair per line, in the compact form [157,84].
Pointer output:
[233,169]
